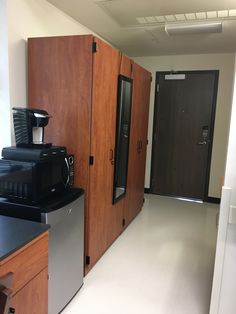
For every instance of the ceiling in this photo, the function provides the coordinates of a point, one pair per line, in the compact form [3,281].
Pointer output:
[137,27]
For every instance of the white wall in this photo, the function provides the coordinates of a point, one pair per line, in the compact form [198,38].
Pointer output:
[32,18]
[228,287]
[224,283]
[225,64]
[5,139]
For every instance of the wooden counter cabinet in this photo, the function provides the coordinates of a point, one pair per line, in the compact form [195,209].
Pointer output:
[29,269]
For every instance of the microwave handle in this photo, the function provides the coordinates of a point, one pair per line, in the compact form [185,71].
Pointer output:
[68,169]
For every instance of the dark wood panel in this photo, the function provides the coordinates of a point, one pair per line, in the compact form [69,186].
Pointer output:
[105,219]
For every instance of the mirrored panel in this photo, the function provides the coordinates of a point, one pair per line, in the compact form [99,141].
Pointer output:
[122,136]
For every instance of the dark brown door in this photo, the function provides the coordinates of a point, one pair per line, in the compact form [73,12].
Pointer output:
[183,132]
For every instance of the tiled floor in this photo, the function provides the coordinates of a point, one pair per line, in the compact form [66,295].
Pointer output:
[162,264]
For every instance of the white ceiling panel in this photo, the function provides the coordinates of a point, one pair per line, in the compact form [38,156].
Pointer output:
[136,27]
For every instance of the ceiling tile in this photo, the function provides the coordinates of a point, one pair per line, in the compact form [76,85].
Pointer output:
[232,12]
[223,13]
[201,15]
[180,17]
[211,14]
[170,18]
[190,16]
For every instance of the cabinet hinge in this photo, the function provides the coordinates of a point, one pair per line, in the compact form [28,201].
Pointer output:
[94,47]
[123,222]
[158,88]
[91,160]
[87,260]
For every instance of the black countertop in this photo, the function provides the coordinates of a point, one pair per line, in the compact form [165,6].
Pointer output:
[15,233]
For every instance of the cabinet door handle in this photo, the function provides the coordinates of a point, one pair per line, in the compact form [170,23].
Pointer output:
[111,156]
[12,310]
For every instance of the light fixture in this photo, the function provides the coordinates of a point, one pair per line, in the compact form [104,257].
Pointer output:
[193,28]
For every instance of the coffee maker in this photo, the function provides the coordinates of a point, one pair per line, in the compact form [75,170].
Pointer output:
[29,127]
[34,170]
[29,124]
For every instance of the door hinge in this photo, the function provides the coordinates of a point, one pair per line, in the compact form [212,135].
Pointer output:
[143,200]
[131,67]
[91,160]
[87,260]
[123,222]
[94,47]
[158,88]
[151,78]
[147,142]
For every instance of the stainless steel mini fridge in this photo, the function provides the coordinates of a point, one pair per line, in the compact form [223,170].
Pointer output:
[65,215]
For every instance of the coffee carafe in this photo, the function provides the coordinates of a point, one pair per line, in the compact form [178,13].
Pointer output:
[29,127]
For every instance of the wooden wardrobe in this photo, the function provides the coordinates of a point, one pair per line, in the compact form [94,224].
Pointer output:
[75,79]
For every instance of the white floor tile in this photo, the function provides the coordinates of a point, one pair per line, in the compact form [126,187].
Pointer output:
[162,264]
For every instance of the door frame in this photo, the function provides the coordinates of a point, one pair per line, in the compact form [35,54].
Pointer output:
[212,123]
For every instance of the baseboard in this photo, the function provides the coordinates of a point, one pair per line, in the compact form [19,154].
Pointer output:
[214,200]
[147,190]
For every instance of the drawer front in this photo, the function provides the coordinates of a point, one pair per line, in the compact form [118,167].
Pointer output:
[33,298]
[26,263]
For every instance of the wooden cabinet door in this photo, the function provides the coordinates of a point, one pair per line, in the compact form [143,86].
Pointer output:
[60,82]
[138,141]
[142,79]
[125,66]
[33,298]
[105,219]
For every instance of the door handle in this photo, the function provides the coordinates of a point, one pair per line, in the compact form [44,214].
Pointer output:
[202,143]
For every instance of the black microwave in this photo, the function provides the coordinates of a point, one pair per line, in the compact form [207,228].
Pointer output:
[35,180]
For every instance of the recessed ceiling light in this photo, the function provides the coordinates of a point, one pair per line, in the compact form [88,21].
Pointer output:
[160,19]
[223,13]
[193,28]
[141,20]
[201,15]
[190,16]
[170,18]
[232,12]
[211,14]
[180,17]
